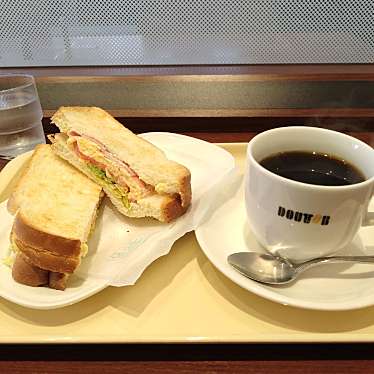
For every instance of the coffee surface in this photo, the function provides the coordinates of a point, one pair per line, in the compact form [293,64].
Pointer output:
[313,168]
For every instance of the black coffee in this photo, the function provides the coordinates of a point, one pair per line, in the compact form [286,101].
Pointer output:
[313,168]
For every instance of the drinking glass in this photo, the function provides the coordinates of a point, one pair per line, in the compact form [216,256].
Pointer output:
[20,115]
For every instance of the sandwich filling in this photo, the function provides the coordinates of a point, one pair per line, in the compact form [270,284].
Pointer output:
[114,173]
[11,254]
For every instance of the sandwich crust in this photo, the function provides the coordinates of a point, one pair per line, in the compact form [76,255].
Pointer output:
[171,208]
[13,202]
[46,260]
[57,280]
[57,245]
[26,273]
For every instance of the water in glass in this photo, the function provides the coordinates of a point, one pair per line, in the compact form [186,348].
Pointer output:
[20,117]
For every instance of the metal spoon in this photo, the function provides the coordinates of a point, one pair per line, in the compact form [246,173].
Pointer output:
[269,269]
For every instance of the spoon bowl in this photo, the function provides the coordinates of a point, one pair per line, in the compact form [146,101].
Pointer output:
[269,269]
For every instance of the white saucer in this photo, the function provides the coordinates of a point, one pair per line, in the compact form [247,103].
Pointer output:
[326,287]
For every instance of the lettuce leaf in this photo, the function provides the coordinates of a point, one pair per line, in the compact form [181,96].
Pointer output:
[111,185]
[99,173]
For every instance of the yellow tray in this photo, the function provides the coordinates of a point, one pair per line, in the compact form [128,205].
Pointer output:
[180,298]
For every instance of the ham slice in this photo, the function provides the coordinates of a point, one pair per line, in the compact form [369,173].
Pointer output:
[105,151]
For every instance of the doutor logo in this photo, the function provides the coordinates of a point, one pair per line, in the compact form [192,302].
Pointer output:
[303,217]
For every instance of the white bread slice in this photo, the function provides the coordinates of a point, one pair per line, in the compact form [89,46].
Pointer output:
[149,162]
[162,207]
[55,207]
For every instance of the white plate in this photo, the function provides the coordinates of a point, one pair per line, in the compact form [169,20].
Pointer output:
[41,297]
[187,150]
[326,287]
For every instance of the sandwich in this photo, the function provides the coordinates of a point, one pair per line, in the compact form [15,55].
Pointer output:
[55,208]
[136,175]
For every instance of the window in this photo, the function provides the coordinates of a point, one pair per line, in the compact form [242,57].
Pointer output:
[166,32]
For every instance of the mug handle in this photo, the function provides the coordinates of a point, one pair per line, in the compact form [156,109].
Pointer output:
[369,219]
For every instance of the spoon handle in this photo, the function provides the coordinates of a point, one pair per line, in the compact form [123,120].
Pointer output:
[321,260]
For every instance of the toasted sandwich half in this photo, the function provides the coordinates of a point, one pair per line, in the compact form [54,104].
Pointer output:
[136,175]
[55,208]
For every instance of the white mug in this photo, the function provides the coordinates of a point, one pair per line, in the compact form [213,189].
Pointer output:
[301,221]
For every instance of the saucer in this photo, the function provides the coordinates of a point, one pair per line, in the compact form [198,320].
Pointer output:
[334,286]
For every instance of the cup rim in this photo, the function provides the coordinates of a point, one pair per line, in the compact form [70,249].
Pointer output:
[256,138]
[20,86]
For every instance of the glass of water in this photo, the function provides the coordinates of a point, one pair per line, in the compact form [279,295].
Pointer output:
[20,115]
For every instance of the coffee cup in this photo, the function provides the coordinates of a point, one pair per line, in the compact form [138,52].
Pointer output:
[300,220]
